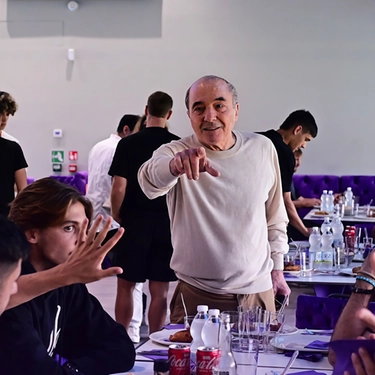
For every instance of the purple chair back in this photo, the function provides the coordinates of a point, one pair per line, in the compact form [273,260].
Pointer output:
[320,312]
[30,180]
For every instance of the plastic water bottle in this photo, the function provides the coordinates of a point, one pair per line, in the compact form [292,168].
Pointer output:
[337,231]
[314,240]
[210,330]
[330,201]
[326,226]
[348,197]
[323,201]
[324,258]
[196,330]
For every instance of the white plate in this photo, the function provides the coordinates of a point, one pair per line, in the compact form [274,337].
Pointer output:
[162,337]
[292,273]
[298,342]
[289,330]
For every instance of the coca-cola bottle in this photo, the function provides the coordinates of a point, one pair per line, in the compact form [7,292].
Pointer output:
[226,365]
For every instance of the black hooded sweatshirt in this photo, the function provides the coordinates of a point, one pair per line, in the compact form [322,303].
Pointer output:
[66,324]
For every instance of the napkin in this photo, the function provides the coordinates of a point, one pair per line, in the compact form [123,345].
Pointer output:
[307,356]
[174,326]
[318,344]
[343,350]
[308,372]
[155,354]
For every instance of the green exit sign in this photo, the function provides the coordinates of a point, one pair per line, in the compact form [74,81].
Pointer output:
[57,156]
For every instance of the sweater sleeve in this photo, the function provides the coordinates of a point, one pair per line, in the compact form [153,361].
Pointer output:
[154,176]
[277,219]
[92,341]
[21,348]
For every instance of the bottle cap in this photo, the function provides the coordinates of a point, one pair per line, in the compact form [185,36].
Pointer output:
[324,191]
[202,308]
[214,312]
[161,365]
[315,228]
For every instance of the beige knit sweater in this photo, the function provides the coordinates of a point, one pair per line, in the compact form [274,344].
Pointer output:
[228,232]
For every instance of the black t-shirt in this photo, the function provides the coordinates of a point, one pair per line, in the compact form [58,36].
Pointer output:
[286,158]
[11,160]
[131,153]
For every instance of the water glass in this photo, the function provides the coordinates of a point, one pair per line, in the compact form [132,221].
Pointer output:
[246,351]
[277,321]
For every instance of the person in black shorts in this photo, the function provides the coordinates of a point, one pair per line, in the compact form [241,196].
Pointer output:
[12,161]
[145,250]
[294,133]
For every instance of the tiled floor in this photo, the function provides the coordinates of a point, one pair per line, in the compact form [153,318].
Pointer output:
[105,291]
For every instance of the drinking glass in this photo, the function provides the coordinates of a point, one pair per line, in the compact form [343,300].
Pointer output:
[264,321]
[246,351]
[277,321]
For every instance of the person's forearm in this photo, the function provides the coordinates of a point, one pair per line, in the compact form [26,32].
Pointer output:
[298,203]
[294,219]
[117,196]
[349,326]
[36,284]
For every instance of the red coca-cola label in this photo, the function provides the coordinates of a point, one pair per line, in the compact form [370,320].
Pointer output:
[206,359]
[179,360]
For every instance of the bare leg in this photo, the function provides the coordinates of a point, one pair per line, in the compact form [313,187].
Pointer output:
[124,302]
[158,305]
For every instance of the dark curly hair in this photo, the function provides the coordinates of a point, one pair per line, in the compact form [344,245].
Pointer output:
[7,103]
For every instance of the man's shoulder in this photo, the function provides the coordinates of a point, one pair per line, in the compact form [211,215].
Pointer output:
[257,138]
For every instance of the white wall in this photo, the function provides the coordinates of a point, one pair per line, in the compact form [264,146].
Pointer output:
[281,55]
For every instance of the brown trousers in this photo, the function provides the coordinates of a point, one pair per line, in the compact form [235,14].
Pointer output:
[224,302]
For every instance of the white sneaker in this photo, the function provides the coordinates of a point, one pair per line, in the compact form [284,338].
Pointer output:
[134,334]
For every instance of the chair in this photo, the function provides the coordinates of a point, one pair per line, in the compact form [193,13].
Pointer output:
[320,312]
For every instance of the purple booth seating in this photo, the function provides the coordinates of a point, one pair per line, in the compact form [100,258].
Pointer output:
[312,186]
[79,181]
[362,186]
[320,312]
[30,180]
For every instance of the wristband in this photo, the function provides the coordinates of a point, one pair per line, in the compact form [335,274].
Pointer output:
[366,279]
[365,273]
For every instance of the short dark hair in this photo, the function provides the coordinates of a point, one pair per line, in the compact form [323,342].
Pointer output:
[127,120]
[159,104]
[303,118]
[43,204]
[231,88]
[13,243]
[7,104]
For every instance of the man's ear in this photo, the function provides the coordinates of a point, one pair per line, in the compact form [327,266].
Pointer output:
[32,235]
[298,129]
[169,115]
[146,110]
[126,130]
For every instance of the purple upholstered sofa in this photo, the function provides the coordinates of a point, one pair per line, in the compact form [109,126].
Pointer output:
[78,180]
[320,312]
[312,186]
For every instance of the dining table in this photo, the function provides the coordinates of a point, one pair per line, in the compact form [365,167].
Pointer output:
[314,215]
[268,364]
